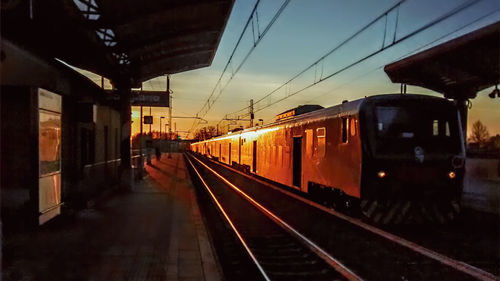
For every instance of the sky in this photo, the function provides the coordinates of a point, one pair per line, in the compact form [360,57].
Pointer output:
[305,31]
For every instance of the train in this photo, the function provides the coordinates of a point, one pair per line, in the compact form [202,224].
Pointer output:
[391,158]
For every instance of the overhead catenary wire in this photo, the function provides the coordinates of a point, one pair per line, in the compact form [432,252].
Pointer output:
[213,97]
[408,53]
[259,104]
[356,78]
[331,51]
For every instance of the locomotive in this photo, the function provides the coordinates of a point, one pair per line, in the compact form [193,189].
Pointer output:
[394,158]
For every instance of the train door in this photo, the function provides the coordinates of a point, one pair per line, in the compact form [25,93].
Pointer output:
[230,163]
[220,152]
[297,161]
[254,157]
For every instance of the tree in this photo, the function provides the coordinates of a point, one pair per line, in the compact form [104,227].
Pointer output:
[479,133]
[205,133]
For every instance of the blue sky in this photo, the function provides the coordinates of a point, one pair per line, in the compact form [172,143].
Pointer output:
[305,31]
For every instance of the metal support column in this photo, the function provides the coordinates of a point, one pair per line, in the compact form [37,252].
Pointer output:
[169,118]
[462,106]
[251,113]
[169,108]
[125,120]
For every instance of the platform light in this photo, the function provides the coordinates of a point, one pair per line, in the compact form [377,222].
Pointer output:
[381,174]
[452,175]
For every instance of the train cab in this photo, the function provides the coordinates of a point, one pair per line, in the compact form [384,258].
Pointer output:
[413,146]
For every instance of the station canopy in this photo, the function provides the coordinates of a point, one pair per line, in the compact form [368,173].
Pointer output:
[458,68]
[135,39]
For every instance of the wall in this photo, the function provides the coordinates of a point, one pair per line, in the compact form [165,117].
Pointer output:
[18,157]
[89,155]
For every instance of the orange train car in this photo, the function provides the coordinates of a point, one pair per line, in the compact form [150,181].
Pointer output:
[396,158]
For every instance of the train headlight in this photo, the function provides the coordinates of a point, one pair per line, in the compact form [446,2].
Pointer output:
[381,174]
[452,175]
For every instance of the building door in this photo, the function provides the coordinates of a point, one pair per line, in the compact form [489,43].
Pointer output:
[297,161]
[254,157]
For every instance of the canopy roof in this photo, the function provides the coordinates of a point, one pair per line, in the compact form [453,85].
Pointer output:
[120,39]
[458,68]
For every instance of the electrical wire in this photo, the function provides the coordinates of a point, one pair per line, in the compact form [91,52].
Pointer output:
[240,113]
[410,53]
[211,101]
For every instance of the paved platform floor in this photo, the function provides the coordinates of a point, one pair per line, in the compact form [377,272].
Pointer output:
[153,232]
[482,185]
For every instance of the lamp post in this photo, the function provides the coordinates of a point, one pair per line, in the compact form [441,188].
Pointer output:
[160,125]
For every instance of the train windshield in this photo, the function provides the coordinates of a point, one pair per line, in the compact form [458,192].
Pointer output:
[401,128]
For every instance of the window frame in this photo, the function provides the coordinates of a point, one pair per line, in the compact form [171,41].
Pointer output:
[320,142]
[344,129]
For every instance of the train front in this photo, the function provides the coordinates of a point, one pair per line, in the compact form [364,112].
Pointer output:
[413,160]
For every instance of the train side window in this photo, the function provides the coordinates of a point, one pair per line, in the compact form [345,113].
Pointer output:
[321,135]
[273,155]
[280,156]
[266,154]
[286,157]
[345,129]
[353,126]
[440,128]
[435,128]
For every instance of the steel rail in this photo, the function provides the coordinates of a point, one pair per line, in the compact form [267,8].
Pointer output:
[221,209]
[336,264]
[453,263]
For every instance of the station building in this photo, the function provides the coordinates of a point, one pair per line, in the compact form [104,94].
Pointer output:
[64,140]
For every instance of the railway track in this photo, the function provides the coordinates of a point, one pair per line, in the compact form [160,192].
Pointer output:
[272,246]
[372,253]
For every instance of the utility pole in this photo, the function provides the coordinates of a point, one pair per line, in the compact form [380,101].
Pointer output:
[160,125]
[251,113]
[169,108]
[169,115]
[141,122]
[141,161]
[150,124]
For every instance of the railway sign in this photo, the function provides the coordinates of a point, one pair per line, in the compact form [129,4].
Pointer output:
[148,119]
[149,98]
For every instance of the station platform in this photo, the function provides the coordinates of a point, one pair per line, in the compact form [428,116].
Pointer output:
[482,185]
[152,232]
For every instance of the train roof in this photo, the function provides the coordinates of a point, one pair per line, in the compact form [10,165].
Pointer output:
[345,108]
